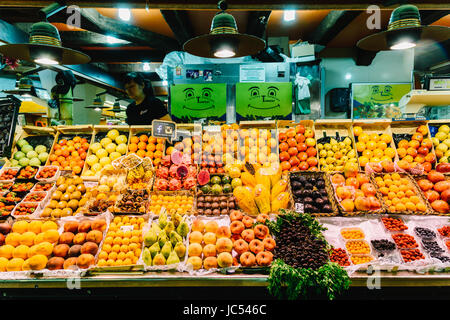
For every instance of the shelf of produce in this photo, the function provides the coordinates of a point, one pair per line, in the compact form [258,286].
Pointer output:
[151,147]
[174,279]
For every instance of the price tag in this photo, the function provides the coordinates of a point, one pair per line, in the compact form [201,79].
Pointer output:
[212,129]
[299,207]
[126,228]
[164,129]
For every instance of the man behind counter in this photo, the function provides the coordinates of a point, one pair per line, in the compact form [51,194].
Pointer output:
[145,107]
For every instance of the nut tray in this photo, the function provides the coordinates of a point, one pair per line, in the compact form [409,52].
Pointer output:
[132,202]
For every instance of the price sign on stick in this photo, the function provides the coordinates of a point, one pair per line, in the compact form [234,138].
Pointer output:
[164,129]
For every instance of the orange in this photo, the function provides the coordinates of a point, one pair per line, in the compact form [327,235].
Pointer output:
[421,207]
[160,147]
[357,130]
[141,153]
[142,145]
[386,138]
[414,199]
[404,200]
[390,152]
[112,255]
[381,183]
[133,147]
[363,137]
[157,154]
[395,201]
[378,153]
[374,137]
[367,153]
[381,145]
[143,138]
[116,248]
[408,158]
[392,209]
[388,182]
[393,188]
[384,190]
[388,202]
[107,248]
[149,154]
[360,146]
[134,140]
[395,176]
[151,147]
[400,194]
[400,207]
[410,206]
[414,144]
[391,195]
[371,145]
[403,144]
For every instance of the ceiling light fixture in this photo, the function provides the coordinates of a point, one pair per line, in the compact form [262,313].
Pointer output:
[124,14]
[289,15]
[113,40]
[224,40]
[404,32]
[97,105]
[146,66]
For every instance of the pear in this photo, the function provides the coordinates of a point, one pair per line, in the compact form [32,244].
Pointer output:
[180,249]
[159,260]
[154,249]
[162,238]
[166,249]
[169,227]
[155,227]
[147,257]
[183,229]
[150,238]
[177,218]
[162,221]
[173,258]
[175,237]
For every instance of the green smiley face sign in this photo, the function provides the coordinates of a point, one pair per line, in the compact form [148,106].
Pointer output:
[263,100]
[196,101]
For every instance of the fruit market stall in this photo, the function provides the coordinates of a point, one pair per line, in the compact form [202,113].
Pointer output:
[255,204]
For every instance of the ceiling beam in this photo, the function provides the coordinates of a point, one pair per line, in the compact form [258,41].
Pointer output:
[257,23]
[124,56]
[331,25]
[428,17]
[233,4]
[433,54]
[178,21]
[92,20]
[76,39]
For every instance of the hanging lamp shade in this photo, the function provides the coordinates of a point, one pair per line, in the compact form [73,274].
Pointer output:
[404,31]
[44,47]
[23,87]
[224,40]
[116,108]
[97,104]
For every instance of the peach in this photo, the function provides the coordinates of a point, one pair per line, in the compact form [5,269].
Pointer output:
[61,250]
[89,247]
[225,260]
[240,246]
[362,204]
[237,227]
[261,231]
[84,226]
[269,244]
[343,192]
[209,250]
[248,235]
[209,238]
[210,263]
[94,236]
[79,238]
[264,258]
[74,250]
[247,259]
[55,263]
[70,263]
[71,226]
[99,225]
[256,246]
[236,215]
[198,225]
[224,245]
[223,232]
[368,189]
[348,205]
[196,237]
[248,221]
[66,238]
[262,217]
[85,260]
[235,237]
[195,261]
[211,226]
[195,250]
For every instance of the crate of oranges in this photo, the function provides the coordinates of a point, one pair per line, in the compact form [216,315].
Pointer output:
[414,145]
[181,202]
[122,245]
[400,193]
[145,146]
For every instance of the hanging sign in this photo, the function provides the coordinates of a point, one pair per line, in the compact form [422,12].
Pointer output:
[164,129]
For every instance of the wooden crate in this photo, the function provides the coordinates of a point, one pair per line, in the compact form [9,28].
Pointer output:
[409,128]
[333,128]
[140,130]
[99,132]
[35,136]
[378,127]
[433,126]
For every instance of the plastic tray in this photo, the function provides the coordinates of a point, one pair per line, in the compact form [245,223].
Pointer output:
[352,229]
[45,193]
[403,248]
[407,250]
[352,241]
[443,235]
[6,182]
[395,217]
[372,258]
[29,178]
[36,212]
[18,182]
[52,179]
[8,168]
[433,237]
[53,187]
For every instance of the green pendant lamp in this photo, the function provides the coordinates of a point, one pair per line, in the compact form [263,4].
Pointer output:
[224,40]
[44,47]
[97,105]
[404,32]
[24,87]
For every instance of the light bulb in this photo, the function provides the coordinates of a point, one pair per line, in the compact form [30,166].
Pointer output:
[46,60]
[289,15]
[124,14]
[224,53]
[402,45]
[146,66]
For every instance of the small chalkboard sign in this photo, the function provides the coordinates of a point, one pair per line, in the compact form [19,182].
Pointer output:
[164,129]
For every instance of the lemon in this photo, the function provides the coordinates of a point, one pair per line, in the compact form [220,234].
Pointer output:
[113,134]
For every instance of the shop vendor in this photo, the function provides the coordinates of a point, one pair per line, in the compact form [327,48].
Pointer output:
[146,107]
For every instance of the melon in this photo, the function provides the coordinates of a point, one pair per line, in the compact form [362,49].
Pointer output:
[32,154]
[40,149]
[22,142]
[43,157]
[176,157]
[35,162]
[19,155]
[203,177]
[27,148]
[24,162]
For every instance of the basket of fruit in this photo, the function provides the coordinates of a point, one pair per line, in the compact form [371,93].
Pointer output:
[401,194]
[181,202]
[27,173]
[5,186]
[356,193]
[145,145]
[47,173]
[9,173]
[20,186]
[12,197]
[312,193]
[436,188]
[212,147]
[28,209]
[335,144]
[44,186]
[440,136]
[132,202]
[6,209]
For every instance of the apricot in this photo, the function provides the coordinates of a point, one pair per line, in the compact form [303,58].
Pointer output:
[196,237]
[224,259]
[247,259]
[79,238]
[264,258]
[70,263]
[209,238]
[198,225]
[61,250]
[209,250]
[256,246]
[348,205]
[84,226]
[269,244]
[55,263]
[237,227]
[89,247]
[94,236]
[248,235]
[211,226]
[85,260]
[224,245]
[236,215]
[71,226]
[195,250]
[195,261]
[99,225]
[66,238]
[240,246]
[261,231]
[75,250]
[248,221]
[223,232]
[210,263]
